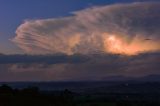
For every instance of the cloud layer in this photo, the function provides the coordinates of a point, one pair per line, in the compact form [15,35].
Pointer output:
[84,46]
[77,67]
[119,29]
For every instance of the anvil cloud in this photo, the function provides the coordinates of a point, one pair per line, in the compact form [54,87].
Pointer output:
[118,29]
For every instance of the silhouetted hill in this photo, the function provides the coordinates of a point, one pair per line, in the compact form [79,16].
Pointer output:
[117,78]
[150,78]
[119,94]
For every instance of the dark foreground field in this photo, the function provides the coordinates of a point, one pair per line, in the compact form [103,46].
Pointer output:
[82,94]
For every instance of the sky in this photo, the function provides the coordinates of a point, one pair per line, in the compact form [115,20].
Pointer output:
[61,40]
[13,13]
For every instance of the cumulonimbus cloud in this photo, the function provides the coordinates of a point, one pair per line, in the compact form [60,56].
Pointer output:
[118,29]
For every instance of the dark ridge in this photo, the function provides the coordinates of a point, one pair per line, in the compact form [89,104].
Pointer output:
[117,94]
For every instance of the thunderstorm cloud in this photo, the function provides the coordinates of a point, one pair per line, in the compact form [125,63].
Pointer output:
[118,29]
[91,44]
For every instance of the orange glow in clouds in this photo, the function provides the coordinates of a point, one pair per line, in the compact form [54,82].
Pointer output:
[121,45]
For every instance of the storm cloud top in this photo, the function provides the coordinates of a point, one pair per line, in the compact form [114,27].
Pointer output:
[117,29]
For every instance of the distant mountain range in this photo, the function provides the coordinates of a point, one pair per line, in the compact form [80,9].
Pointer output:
[150,78]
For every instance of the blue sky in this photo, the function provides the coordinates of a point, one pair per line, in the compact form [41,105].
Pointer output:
[13,13]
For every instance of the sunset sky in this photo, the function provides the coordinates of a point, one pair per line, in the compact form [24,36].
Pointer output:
[13,13]
[78,39]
